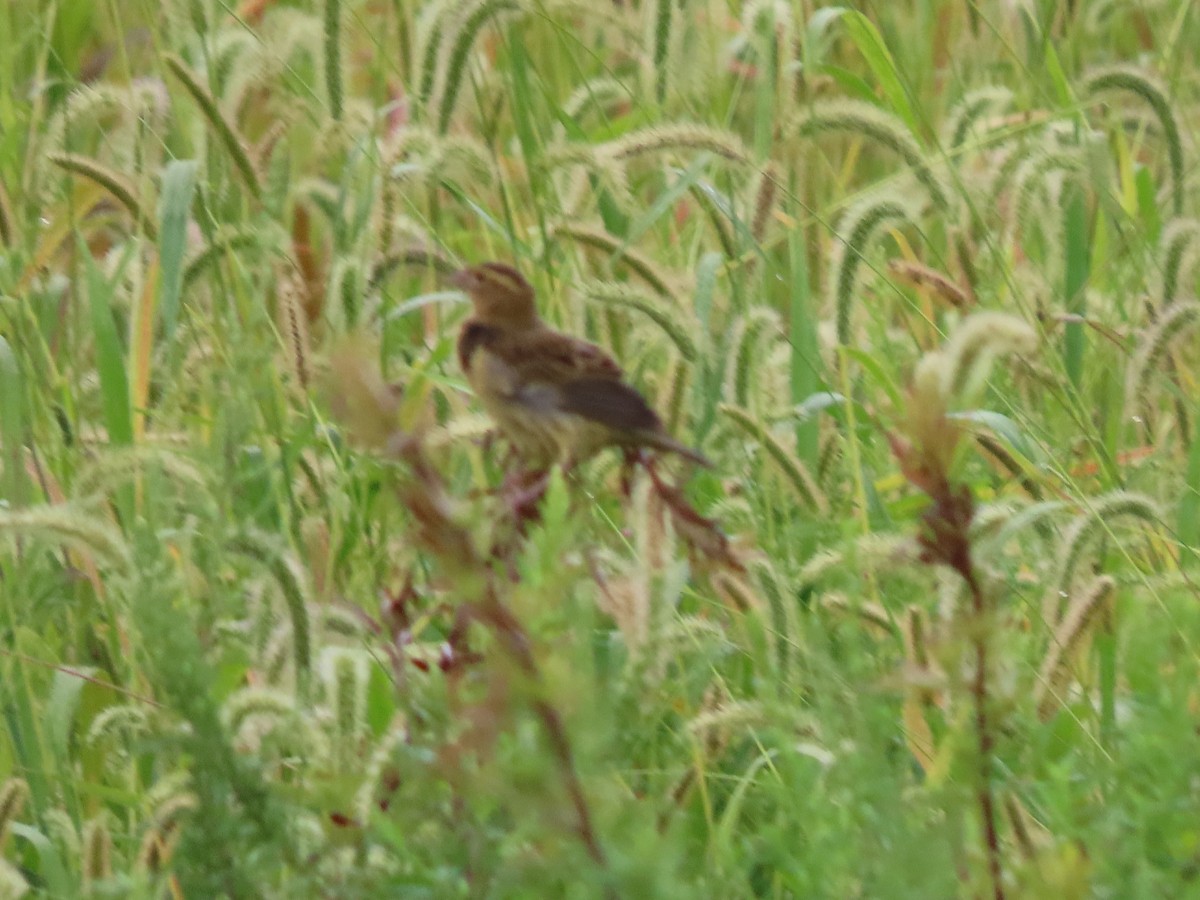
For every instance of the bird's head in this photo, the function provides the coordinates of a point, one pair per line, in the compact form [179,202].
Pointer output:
[500,294]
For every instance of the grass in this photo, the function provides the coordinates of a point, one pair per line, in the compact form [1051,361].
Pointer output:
[919,279]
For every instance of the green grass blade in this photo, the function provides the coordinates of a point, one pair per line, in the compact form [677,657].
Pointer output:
[110,356]
[174,211]
[804,372]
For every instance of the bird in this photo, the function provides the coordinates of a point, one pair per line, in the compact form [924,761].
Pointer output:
[556,398]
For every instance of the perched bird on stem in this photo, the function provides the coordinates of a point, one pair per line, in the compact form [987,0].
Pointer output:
[556,398]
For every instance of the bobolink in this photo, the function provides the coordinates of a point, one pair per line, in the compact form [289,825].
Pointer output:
[556,398]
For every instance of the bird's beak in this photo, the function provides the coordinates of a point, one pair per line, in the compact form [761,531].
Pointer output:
[462,279]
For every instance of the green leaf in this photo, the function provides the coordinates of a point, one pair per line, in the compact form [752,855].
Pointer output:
[1078,250]
[1030,516]
[1006,429]
[819,402]
[60,710]
[51,866]
[817,34]
[871,45]
[706,285]
[850,82]
[875,370]
[12,424]
[706,389]
[1062,86]
[174,208]
[804,374]
[1147,201]
[667,199]
[1189,501]
[525,112]
[381,700]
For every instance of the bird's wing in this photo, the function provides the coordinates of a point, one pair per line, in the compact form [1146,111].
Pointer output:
[580,378]
[548,370]
[550,356]
[610,402]
[540,355]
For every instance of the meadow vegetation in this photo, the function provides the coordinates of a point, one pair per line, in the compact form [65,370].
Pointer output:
[919,277]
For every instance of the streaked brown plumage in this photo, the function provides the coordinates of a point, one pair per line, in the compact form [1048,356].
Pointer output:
[556,398]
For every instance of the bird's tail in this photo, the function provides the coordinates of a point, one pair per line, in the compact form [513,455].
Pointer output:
[668,444]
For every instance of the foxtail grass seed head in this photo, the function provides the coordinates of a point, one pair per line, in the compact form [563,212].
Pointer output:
[599,239]
[227,134]
[13,885]
[765,196]
[938,284]
[749,334]
[794,472]
[292,581]
[677,137]
[166,789]
[1179,251]
[663,19]
[333,56]
[60,828]
[980,339]
[97,850]
[257,701]
[662,313]
[1084,532]
[121,188]
[226,244]
[293,325]
[1037,186]
[13,795]
[383,776]
[122,722]
[720,213]
[916,636]
[464,21]
[1138,82]
[431,26]
[118,112]
[625,599]
[1083,613]
[345,672]
[868,612]
[857,231]
[730,717]
[1178,319]
[966,118]
[766,22]
[158,845]
[674,392]
[869,121]
[8,226]
[70,526]
[596,94]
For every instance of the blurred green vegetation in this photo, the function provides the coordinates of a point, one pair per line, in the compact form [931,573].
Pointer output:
[268,629]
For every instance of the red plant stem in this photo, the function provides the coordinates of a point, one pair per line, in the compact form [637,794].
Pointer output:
[983,730]
[516,643]
[562,751]
[426,498]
